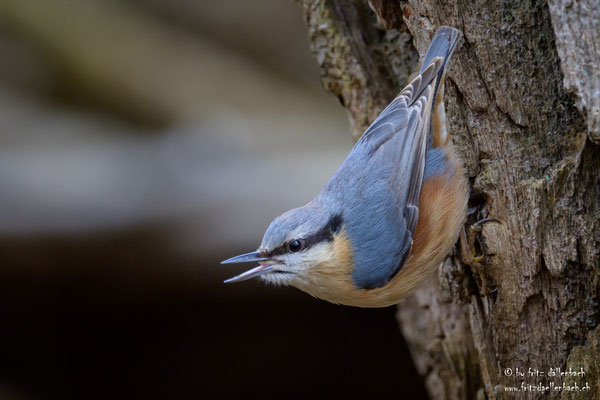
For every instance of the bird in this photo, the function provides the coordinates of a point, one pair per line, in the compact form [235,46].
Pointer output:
[389,215]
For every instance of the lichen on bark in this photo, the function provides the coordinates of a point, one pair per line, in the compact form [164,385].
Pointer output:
[361,64]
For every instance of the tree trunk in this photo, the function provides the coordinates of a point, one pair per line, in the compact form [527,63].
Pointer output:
[523,105]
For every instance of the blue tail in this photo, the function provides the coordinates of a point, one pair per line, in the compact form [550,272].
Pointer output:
[442,45]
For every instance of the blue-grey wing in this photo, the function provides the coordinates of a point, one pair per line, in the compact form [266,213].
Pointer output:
[392,153]
[379,184]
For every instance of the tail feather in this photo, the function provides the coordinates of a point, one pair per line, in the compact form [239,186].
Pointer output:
[442,46]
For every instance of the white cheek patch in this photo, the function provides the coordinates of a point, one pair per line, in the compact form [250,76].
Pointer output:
[310,257]
[299,264]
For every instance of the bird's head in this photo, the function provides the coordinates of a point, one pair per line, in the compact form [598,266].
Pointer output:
[296,245]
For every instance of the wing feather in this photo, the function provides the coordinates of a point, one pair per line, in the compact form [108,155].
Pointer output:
[387,166]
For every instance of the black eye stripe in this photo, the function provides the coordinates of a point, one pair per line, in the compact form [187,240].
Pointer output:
[335,223]
[333,226]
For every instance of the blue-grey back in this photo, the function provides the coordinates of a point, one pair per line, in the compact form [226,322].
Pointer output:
[378,185]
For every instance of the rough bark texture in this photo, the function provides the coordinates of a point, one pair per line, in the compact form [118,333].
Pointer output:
[524,143]
[577,25]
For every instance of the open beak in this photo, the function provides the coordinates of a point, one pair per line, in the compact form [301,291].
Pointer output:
[249,257]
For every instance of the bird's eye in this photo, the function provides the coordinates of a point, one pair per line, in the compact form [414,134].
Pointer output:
[295,246]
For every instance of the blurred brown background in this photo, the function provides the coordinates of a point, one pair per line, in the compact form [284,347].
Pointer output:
[143,141]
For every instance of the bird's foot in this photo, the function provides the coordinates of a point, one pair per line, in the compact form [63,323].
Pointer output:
[469,252]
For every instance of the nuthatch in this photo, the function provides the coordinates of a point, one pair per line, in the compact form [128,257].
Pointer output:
[389,215]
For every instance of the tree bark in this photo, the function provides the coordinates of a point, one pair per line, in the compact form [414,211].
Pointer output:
[523,107]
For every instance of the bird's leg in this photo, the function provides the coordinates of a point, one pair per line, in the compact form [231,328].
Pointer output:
[473,231]
[469,251]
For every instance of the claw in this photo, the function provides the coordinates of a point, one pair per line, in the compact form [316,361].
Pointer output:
[473,230]
[473,260]
[479,224]
[478,259]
